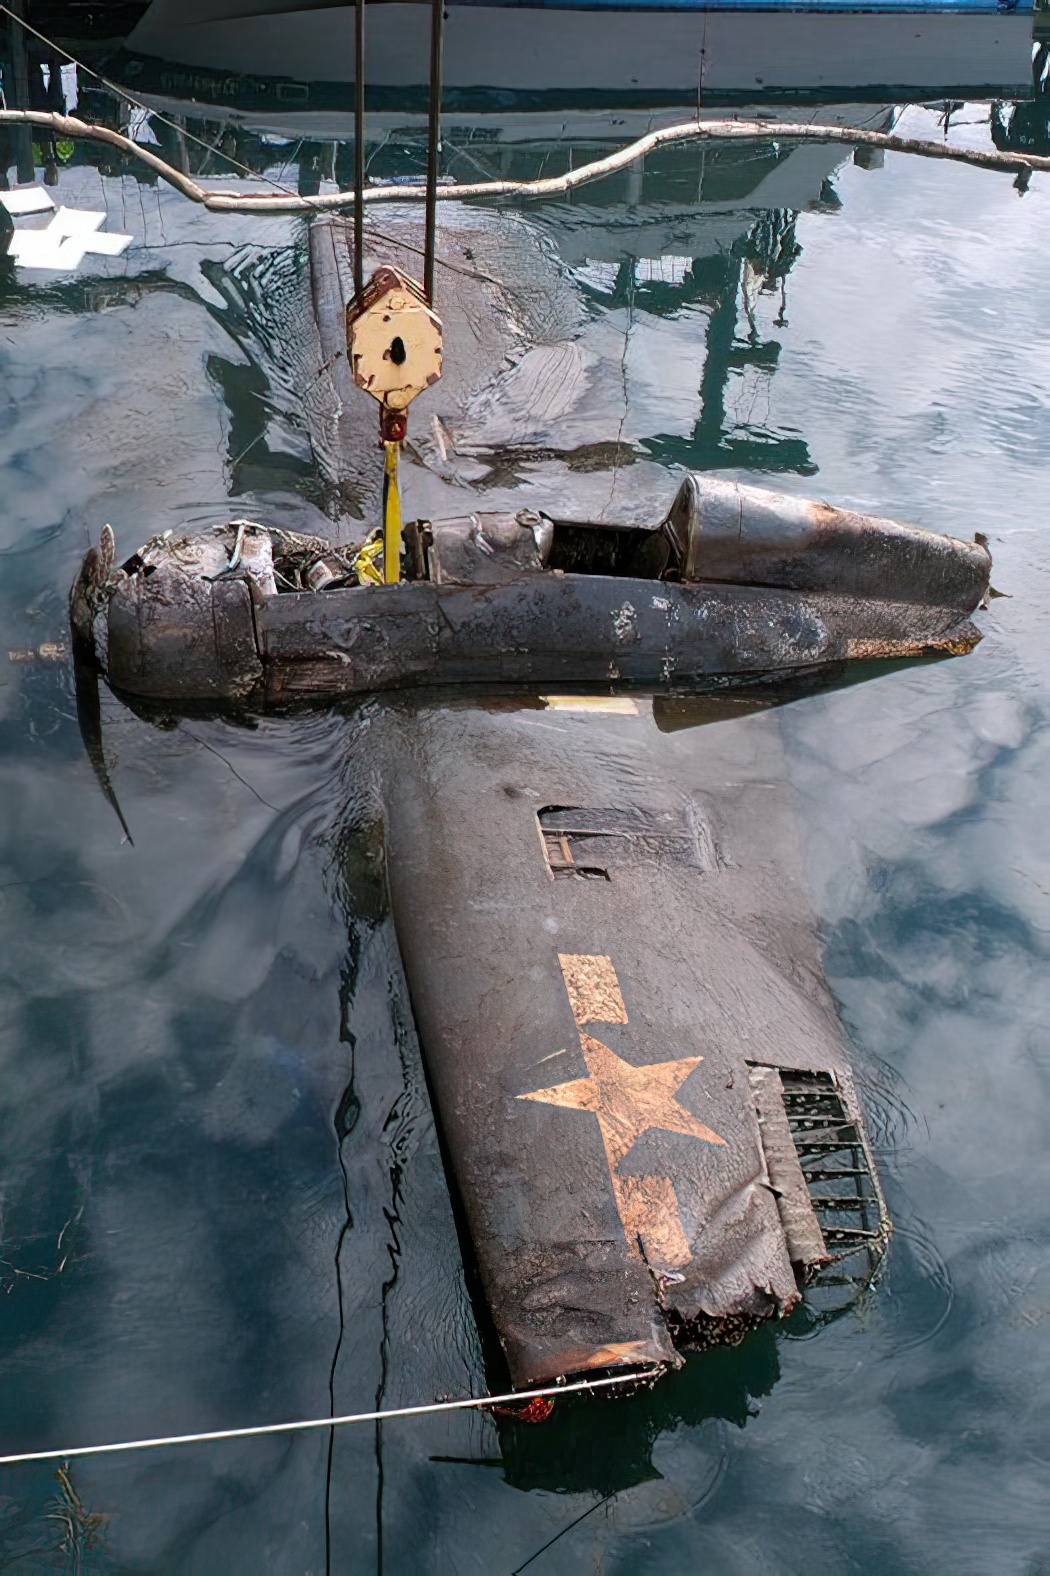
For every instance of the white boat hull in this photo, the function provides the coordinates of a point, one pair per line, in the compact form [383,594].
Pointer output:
[496,53]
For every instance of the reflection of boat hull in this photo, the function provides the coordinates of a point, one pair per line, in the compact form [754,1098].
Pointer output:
[497,57]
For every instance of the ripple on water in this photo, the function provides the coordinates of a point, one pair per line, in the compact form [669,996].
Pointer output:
[187,1025]
[891,1120]
[915,1292]
[690,1466]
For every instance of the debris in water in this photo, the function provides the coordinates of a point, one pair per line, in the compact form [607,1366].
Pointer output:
[66,241]
[47,651]
[26,199]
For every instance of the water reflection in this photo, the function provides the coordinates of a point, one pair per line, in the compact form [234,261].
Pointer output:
[1025,126]
[767,255]
[224,1200]
[540,58]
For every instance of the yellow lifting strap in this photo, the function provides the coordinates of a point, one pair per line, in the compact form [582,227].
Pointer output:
[391,516]
[368,561]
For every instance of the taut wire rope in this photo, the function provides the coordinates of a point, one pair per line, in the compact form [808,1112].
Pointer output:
[437,38]
[359,146]
[259,1430]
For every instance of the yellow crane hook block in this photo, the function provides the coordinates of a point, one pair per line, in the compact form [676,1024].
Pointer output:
[393,340]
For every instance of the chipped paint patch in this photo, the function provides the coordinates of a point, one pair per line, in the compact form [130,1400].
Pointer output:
[49,651]
[955,645]
[648,1207]
[594,990]
[624,621]
[628,1100]
[617,1352]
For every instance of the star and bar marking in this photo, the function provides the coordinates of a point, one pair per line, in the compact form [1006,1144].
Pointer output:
[627,1101]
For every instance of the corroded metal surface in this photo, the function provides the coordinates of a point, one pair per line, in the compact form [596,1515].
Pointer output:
[582,629]
[639,1071]
[754,536]
[805,1241]
[202,618]
[589,1036]
[179,630]
[393,340]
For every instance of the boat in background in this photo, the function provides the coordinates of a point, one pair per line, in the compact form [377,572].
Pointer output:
[531,57]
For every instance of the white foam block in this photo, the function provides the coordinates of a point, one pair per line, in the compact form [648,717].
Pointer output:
[63,245]
[104,243]
[26,199]
[76,221]
[41,249]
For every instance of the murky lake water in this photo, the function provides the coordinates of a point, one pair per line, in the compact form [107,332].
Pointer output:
[223,1201]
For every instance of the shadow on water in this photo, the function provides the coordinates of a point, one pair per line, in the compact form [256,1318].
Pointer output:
[702,706]
[588,1446]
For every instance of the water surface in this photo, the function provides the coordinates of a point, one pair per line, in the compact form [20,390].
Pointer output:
[223,1200]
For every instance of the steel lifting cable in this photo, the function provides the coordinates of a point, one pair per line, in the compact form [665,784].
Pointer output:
[359,147]
[475,1403]
[437,40]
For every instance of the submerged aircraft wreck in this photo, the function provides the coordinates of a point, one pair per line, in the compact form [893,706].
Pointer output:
[638,1069]
[734,581]
[637,1066]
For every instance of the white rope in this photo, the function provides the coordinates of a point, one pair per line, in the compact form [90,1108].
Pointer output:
[554,185]
[471,1402]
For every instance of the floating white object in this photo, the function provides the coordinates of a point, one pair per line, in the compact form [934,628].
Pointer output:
[139,128]
[70,89]
[71,234]
[26,199]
